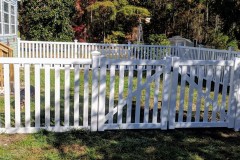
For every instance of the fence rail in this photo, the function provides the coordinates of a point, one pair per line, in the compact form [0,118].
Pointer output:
[172,94]
[42,49]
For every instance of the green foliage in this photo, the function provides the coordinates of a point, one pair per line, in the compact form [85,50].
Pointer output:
[222,41]
[196,20]
[233,44]
[133,11]
[120,3]
[158,39]
[115,37]
[46,20]
[103,11]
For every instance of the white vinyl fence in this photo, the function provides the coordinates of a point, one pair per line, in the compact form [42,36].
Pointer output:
[160,97]
[44,49]
[41,97]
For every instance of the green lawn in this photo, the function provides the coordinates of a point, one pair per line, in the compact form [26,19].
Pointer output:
[185,144]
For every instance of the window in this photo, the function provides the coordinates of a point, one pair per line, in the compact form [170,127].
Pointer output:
[13,20]
[7,17]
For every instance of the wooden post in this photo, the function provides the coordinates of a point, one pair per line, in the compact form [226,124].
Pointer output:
[1,71]
[6,51]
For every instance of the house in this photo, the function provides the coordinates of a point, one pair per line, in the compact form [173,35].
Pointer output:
[180,41]
[9,23]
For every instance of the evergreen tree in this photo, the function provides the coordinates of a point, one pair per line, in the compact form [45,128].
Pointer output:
[46,20]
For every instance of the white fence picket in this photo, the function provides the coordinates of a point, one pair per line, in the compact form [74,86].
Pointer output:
[199,93]
[139,95]
[191,92]
[111,95]
[47,95]
[224,93]
[86,96]
[57,95]
[156,92]
[27,96]
[7,96]
[182,93]
[129,97]
[216,93]
[76,94]
[120,95]
[147,96]
[67,95]
[207,94]
[37,96]
[17,95]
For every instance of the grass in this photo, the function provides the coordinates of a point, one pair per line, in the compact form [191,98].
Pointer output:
[187,144]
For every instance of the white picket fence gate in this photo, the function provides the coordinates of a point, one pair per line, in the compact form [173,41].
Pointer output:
[92,94]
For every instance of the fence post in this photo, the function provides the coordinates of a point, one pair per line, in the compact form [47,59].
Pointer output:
[102,93]
[166,89]
[234,107]
[237,94]
[173,93]
[95,91]
[18,47]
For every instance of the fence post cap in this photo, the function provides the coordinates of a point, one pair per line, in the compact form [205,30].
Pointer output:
[75,40]
[96,53]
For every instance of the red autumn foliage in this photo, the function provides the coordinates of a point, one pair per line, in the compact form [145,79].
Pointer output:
[80,32]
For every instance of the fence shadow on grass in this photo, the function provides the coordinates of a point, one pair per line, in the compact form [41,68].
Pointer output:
[146,144]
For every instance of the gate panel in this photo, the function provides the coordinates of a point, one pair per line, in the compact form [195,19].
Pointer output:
[133,99]
[201,100]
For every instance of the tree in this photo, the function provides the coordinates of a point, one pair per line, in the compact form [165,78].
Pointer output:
[46,20]
[158,39]
[103,13]
[128,18]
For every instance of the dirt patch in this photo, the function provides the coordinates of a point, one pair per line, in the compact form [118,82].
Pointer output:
[74,148]
[6,140]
